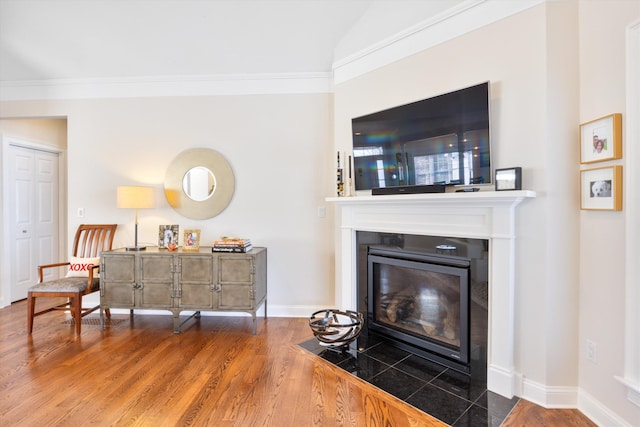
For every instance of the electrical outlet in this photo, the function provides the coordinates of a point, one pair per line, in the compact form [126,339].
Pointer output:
[592,351]
[80,212]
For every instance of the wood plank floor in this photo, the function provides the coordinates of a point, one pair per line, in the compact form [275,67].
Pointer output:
[216,373]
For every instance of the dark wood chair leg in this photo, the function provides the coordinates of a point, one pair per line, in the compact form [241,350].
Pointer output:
[107,313]
[31,309]
[77,312]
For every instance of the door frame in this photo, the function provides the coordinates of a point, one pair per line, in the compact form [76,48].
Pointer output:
[5,270]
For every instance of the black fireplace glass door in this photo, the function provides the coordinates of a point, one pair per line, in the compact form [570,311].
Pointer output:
[424,302]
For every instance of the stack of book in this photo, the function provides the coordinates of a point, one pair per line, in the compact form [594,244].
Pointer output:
[232,244]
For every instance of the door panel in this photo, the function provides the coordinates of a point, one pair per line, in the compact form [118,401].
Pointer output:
[236,297]
[156,279]
[117,281]
[195,281]
[34,196]
[236,269]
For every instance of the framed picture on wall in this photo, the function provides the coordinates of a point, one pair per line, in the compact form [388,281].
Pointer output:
[191,240]
[167,235]
[601,139]
[601,188]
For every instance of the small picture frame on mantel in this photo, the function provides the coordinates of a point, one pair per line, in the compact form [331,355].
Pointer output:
[508,179]
[191,240]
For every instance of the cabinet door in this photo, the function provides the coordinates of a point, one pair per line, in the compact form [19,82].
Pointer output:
[195,281]
[235,277]
[156,281]
[236,297]
[235,269]
[117,280]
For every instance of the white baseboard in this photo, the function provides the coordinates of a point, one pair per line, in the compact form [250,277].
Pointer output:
[550,396]
[501,381]
[597,412]
[553,397]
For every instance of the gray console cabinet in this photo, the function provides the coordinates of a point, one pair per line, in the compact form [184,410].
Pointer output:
[184,281]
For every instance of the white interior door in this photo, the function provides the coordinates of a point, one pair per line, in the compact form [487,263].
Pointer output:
[33,207]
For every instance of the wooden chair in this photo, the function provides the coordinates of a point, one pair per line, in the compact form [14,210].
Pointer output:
[89,242]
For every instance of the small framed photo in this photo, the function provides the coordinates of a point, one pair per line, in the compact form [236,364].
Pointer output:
[601,188]
[191,240]
[168,235]
[601,139]
[509,179]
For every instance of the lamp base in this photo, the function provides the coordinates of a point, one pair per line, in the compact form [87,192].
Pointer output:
[136,248]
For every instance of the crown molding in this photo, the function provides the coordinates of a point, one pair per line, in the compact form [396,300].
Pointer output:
[160,86]
[466,17]
[454,22]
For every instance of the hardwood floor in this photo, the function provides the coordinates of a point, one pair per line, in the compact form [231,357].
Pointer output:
[216,373]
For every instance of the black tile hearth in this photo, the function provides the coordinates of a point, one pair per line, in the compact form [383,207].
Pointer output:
[441,392]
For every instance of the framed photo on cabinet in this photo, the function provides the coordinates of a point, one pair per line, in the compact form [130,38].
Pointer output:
[601,139]
[167,235]
[601,188]
[191,240]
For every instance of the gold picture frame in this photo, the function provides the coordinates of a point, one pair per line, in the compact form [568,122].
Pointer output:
[601,188]
[191,240]
[601,139]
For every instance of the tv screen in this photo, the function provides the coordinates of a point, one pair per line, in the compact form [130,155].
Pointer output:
[441,140]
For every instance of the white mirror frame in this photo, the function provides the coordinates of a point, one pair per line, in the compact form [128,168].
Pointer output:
[224,178]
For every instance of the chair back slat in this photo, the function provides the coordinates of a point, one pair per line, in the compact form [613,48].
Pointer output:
[91,239]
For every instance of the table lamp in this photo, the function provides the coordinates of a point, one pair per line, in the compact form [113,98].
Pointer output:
[133,197]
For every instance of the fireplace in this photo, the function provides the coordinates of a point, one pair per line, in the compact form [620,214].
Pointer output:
[483,215]
[427,294]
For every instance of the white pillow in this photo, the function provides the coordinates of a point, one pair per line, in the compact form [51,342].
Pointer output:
[79,267]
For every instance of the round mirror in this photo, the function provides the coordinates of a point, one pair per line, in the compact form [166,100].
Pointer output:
[199,183]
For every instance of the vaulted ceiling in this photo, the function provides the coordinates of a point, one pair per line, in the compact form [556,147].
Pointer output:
[73,39]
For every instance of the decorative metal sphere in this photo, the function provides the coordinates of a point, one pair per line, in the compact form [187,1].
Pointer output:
[335,328]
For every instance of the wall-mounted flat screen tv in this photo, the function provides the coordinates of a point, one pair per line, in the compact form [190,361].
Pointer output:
[443,140]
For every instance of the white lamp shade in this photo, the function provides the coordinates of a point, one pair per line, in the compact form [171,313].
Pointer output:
[133,197]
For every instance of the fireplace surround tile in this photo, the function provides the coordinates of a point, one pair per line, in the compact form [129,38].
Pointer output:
[443,393]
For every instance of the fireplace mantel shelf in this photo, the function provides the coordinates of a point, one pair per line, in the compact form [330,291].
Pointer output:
[479,198]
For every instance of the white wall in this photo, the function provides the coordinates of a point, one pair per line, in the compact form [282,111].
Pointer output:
[602,234]
[278,146]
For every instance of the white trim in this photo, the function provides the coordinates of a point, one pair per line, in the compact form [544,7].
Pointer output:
[151,86]
[631,377]
[597,412]
[484,215]
[464,18]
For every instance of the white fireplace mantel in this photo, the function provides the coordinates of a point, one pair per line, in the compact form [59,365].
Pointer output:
[481,215]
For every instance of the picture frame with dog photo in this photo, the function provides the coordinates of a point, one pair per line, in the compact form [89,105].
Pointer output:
[601,188]
[191,240]
[601,139]
[168,234]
